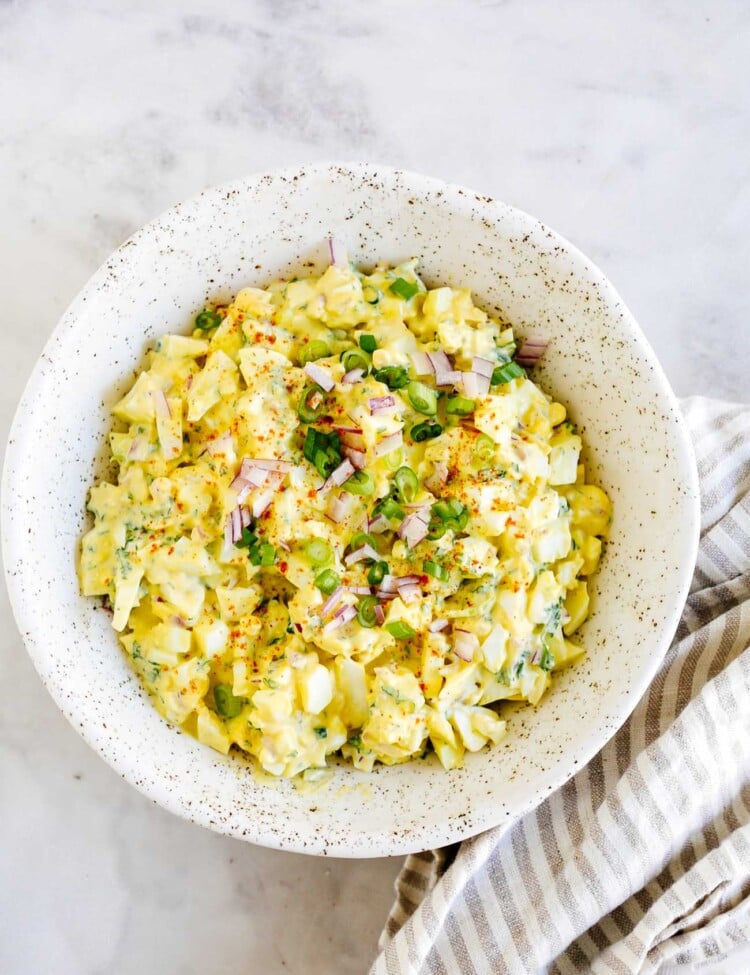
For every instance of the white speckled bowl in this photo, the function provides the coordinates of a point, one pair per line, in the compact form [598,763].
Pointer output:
[598,363]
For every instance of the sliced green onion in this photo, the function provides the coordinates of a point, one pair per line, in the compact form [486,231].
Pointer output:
[458,513]
[484,448]
[227,704]
[370,294]
[394,460]
[400,629]
[404,289]
[506,372]
[317,349]
[442,510]
[366,614]
[323,450]
[459,406]
[423,398]
[436,570]
[318,551]
[311,404]
[425,431]
[310,445]
[368,343]
[359,483]
[445,515]
[389,509]
[436,529]
[259,553]
[326,461]
[355,359]
[248,539]
[407,484]
[377,572]
[395,377]
[328,581]
[263,554]
[207,320]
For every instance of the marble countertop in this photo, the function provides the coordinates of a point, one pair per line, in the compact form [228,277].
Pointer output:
[623,126]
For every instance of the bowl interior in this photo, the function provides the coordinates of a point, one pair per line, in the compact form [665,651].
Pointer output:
[598,364]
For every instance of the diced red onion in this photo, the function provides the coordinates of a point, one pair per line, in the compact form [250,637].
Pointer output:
[363,552]
[332,602]
[451,377]
[475,385]
[357,457]
[385,595]
[242,487]
[437,625]
[236,524]
[336,249]
[465,644]
[221,445]
[245,517]
[228,537]
[279,466]
[482,366]
[440,361]
[389,583]
[413,529]
[283,544]
[532,350]
[380,403]
[433,482]
[359,590]
[351,437]
[388,444]
[161,406]
[410,594]
[406,581]
[339,506]
[342,473]
[484,384]
[263,500]
[379,614]
[353,376]
[252,474]
[378,524]
[344,615]
[320,376]
[422,364]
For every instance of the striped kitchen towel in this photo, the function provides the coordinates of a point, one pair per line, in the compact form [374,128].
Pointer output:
[641,863]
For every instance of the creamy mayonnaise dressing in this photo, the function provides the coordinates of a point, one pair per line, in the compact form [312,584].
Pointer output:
[323,540]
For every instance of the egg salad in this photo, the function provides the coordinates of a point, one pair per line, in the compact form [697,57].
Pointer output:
[345,521]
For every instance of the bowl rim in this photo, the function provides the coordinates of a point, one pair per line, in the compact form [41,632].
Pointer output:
[389,845]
